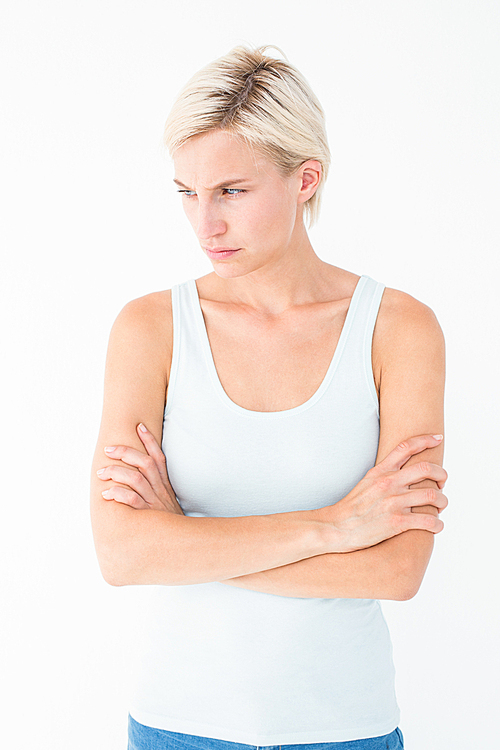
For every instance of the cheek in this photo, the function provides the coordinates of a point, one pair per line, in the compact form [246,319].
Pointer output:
[272,214]
[279,216]
[189,210]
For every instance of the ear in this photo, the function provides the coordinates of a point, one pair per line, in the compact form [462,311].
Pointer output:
[310,176]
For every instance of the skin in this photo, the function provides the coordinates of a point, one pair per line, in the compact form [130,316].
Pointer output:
[272,306]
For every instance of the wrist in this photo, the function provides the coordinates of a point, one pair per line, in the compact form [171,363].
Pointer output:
[334,535]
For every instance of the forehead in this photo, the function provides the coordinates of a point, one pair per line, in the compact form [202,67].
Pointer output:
[218,156]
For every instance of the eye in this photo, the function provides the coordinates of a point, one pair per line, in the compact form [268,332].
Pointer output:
[187,193]
[233,191]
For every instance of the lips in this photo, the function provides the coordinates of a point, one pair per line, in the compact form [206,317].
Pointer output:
[220,252]
[221,249]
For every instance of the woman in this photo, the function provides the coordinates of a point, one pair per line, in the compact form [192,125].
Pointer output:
[297,405]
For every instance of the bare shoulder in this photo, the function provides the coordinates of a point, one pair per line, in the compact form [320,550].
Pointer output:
[141,336]
[406,330]
[401,316]
[148,313]
[146,322]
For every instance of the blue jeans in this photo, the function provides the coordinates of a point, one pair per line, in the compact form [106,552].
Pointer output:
[141,737]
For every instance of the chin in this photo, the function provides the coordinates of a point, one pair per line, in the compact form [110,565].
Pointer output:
[226,271]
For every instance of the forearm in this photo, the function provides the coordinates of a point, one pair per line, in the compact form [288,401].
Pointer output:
[392,569]
[136,546]
[154,547]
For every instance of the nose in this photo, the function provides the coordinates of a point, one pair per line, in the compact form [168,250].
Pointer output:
[209,222]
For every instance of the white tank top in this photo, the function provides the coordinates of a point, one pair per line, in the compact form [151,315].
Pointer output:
[241,665]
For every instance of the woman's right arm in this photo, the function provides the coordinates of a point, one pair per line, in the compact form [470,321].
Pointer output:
[137,546]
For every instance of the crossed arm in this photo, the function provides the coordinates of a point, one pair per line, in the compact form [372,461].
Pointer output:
[411,359]
[369,545]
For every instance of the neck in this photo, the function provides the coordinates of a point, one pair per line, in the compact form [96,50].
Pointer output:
[296,278]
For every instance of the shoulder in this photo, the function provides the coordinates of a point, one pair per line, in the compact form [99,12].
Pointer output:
[403,316]
[406,331]
[146,312]
[143,331]
[145,317]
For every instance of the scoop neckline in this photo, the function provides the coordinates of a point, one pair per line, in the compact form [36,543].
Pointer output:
[334,362]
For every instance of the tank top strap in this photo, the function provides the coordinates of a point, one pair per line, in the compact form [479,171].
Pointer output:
[188,346]
[356,359]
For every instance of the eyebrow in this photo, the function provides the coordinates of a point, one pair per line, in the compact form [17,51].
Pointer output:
[227,183]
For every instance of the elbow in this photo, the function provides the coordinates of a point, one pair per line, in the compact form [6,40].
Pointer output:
[401,580]
[112,566]
[409,579]
[406,590]
[112,578]
[400,590]
[108,545]
[121,558]
[112,573]
[412,564]
[121,567]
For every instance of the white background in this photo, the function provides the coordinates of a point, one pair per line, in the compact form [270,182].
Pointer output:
[91,220]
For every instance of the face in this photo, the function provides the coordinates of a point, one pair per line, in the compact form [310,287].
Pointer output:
[244,212]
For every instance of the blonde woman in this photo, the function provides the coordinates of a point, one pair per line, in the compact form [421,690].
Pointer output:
[271,444]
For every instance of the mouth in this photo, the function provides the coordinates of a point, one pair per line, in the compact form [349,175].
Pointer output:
[218,253]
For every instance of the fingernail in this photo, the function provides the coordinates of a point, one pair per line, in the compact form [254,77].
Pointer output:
[142,428]
[106,495]
[437,437]
[99,472]
[110,448]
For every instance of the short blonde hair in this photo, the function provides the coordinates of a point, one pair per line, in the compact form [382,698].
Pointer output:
[263,100]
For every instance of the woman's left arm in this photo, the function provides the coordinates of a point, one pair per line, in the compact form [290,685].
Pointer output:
[409,365]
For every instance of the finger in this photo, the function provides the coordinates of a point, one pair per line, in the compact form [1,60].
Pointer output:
[142,461]
[406,449]
[423,470]
[130,477]
[427,496]
[154,450]
[127,454]
[125,496]
[423,521]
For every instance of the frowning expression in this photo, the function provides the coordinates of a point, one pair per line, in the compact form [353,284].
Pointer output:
[243,210]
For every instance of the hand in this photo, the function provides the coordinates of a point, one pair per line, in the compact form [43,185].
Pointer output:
[147,488]
[380,505]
